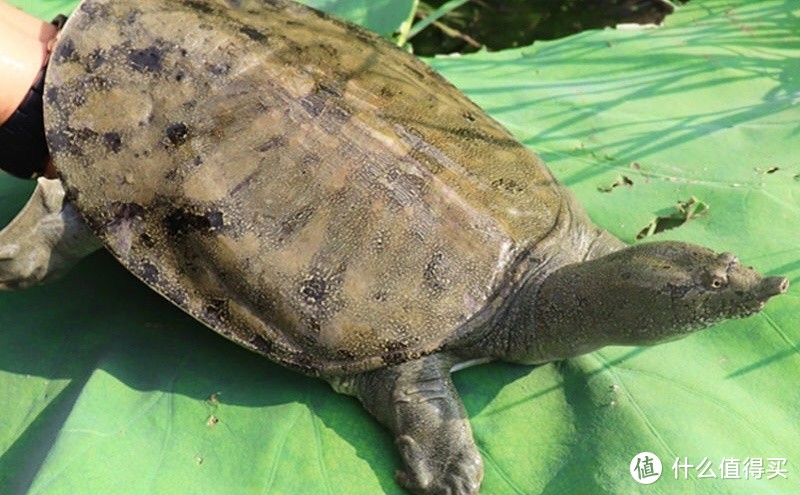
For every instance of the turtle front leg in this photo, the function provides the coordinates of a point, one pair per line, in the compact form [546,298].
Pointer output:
[418,402]
[44,240]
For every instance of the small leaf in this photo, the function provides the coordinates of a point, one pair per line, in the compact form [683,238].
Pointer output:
[684,211]
[622,180]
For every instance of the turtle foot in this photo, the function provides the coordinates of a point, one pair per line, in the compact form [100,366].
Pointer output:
[44,240]
[460,474]
[418,402]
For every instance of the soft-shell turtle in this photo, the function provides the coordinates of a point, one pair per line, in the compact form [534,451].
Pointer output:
[320,197]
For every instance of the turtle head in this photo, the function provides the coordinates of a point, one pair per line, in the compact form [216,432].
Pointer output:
[665,290]
[645,294]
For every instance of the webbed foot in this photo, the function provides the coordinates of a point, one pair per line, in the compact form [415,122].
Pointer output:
[44,240]
[418,402]
[460,474]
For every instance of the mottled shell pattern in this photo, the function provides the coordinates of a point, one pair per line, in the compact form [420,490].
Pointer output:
[296,183]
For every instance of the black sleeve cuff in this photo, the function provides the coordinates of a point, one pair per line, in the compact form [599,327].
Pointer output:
[23,149]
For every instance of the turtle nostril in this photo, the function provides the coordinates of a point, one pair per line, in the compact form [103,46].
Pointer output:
[773,286]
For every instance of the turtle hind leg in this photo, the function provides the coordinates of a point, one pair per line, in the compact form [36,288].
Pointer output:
[44,240]
[418,402]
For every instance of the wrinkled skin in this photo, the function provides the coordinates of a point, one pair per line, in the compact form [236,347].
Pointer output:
[462,233]
[651,293]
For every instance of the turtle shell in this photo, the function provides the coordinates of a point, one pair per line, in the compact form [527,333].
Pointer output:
[294,182]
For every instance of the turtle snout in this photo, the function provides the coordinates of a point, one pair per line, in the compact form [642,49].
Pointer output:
[728,260]
[772,286]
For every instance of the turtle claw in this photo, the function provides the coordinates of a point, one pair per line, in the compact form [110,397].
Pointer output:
[460,474]
[418,401]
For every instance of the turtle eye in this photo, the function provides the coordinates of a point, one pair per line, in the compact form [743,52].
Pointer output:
[715,279]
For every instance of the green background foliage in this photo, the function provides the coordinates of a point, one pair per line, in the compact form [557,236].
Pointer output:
[106,388]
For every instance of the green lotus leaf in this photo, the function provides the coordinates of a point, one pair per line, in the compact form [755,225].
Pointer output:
[107,388]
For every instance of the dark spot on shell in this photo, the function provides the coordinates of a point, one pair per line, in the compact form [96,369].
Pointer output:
[179,76]
[177,133]
[72,194]
[252,33]
[216,310]
[83,134]
[426,160]
[359,33]
[181,222]
[65,52]
[508,185]
[146,59]
[124,214]
[469,116]
[59,141]
[199,6]
[149,273]
[392,358]
[433,275]
[51,94]
[330,51]
[345,354]
[214,219]
[328,89]
[314,289]
[90,8]
[178,296]
[312,105]
[337,115]
[218,69]
[395,345]
[244,183]
[133,17]
[278,141]
[315,102]
[113,141]
[313,324]
[96,59]
[310,158]
[319,296]
[414,70]
[293,222]
[262,345]
[146,240]
[387,92]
